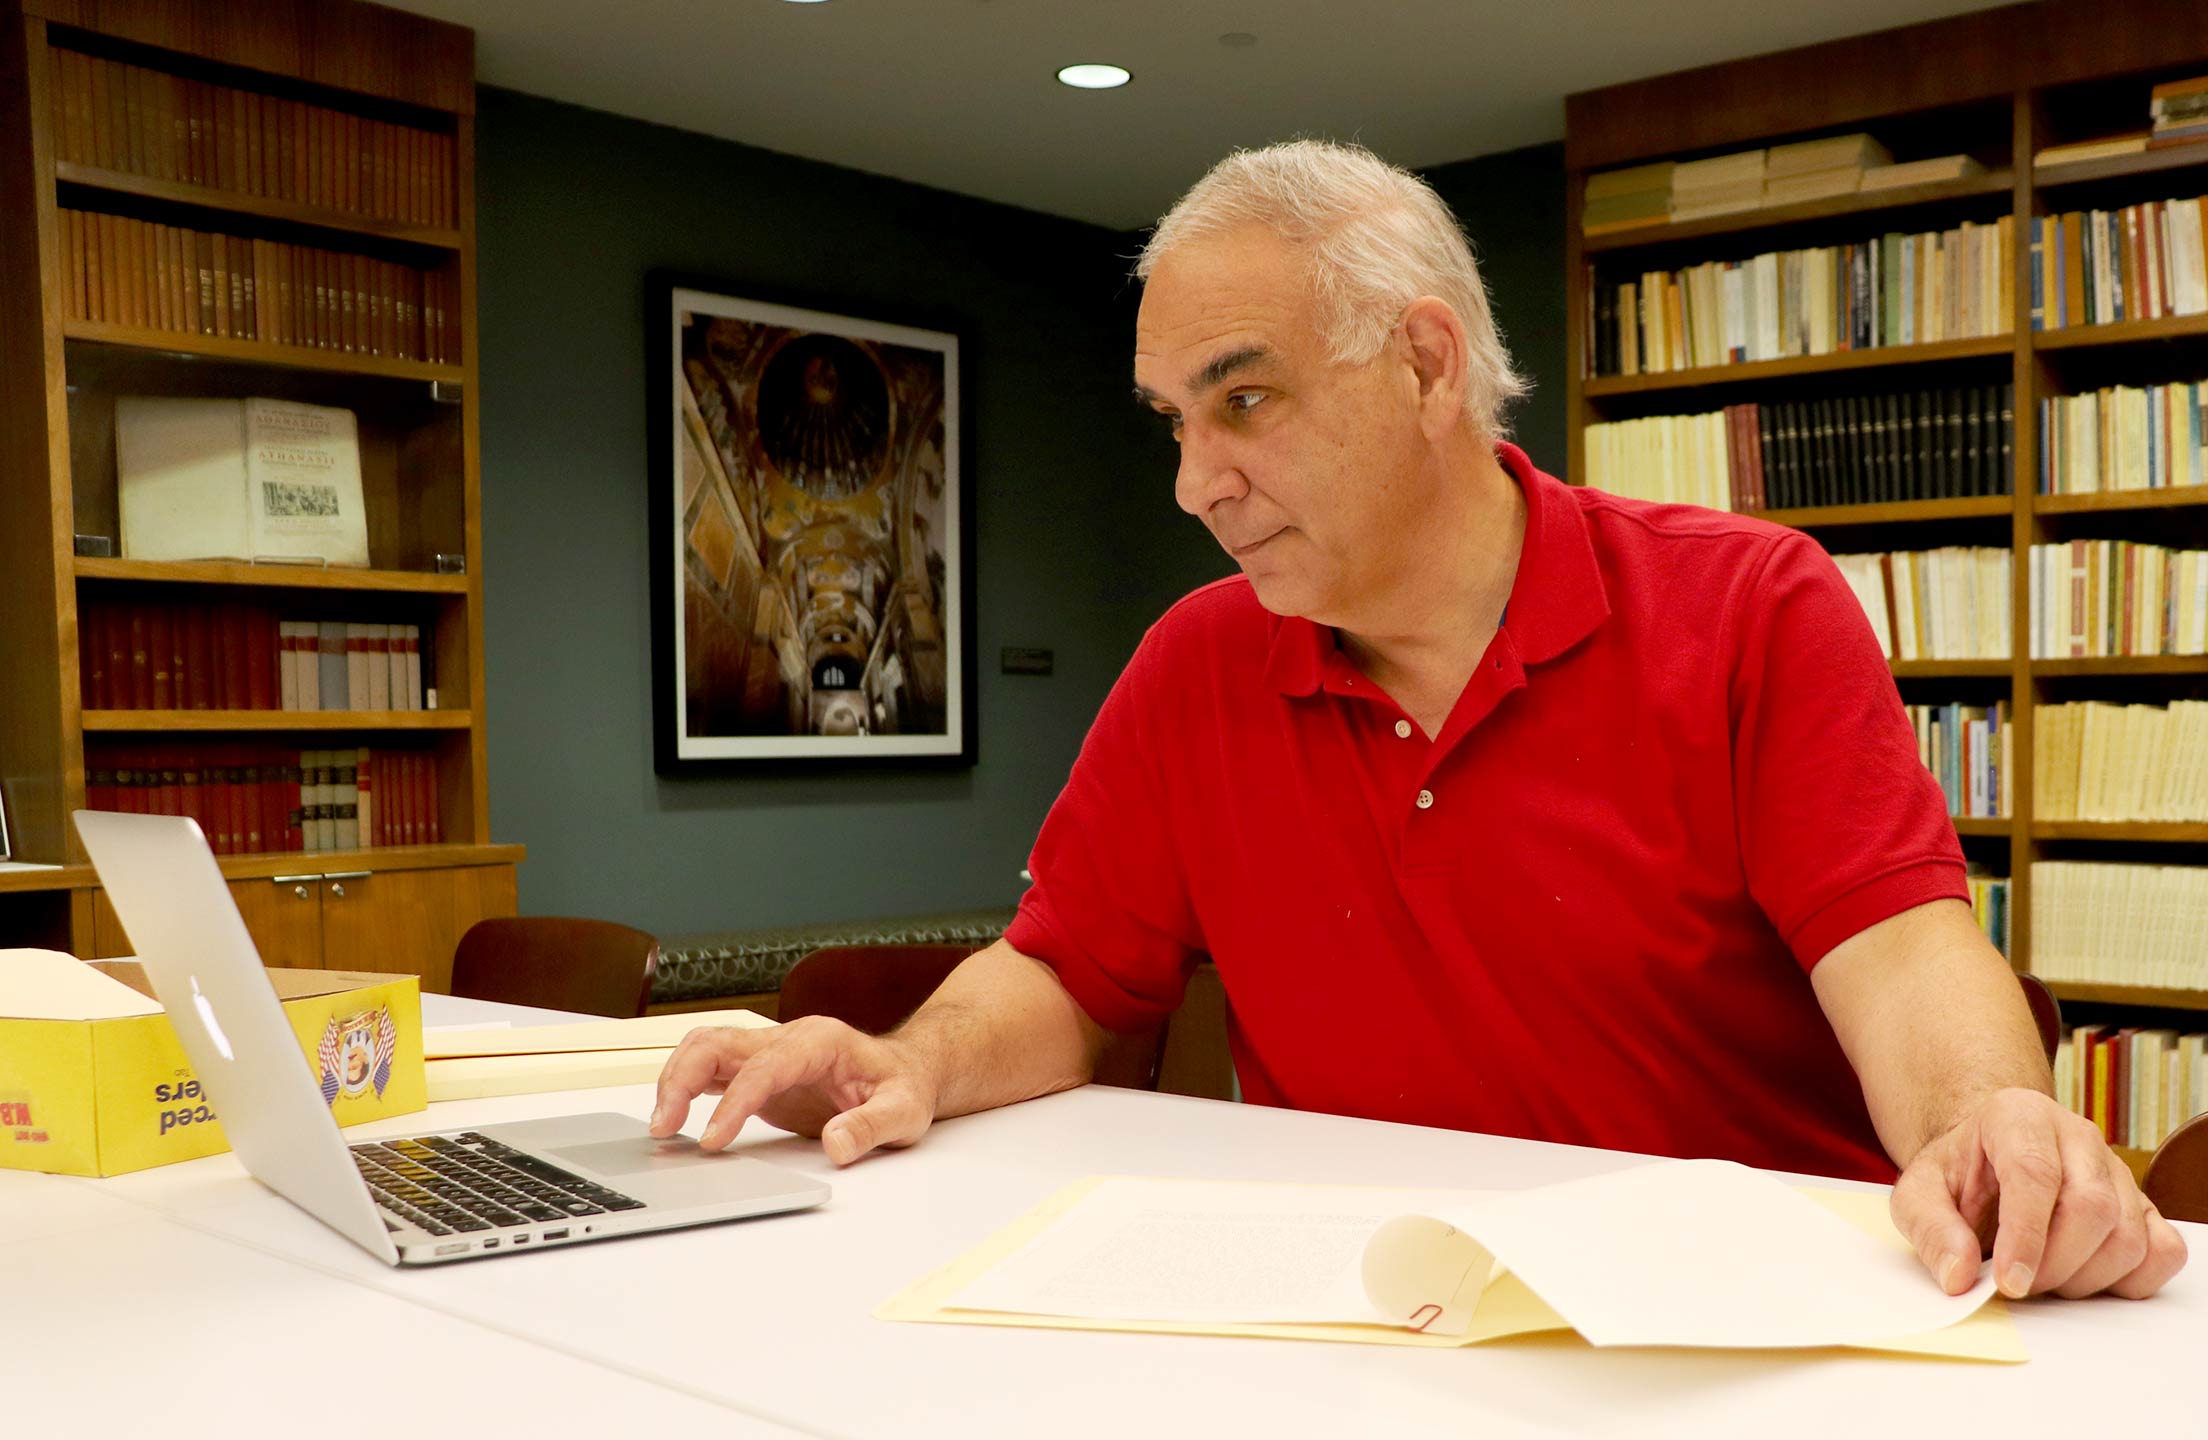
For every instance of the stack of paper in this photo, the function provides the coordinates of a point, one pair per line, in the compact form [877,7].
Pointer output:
[1622,199]
[1815,169]
[1921,172]
[497,1060]
[1717,186]
[1689,1252]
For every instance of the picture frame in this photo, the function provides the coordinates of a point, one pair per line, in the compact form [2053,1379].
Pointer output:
[811,521]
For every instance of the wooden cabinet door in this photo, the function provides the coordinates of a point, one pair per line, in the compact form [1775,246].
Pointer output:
[284,919]
[408,922]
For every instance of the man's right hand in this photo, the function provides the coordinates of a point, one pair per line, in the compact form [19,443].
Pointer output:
[815,1076]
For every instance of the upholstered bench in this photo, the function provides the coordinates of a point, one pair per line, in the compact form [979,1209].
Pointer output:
[744,968]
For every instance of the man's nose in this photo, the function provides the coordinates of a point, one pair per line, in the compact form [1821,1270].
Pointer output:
[1209,474]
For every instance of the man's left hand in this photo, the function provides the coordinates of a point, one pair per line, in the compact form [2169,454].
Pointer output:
[2061,1208]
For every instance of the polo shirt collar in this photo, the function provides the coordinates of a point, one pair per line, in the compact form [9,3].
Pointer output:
[1556,601]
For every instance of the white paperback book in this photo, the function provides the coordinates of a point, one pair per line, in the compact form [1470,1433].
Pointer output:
[253,479]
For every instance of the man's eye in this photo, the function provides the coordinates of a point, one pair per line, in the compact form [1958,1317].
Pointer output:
[1242,402]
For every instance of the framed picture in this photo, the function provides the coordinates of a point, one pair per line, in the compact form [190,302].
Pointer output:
[811,535]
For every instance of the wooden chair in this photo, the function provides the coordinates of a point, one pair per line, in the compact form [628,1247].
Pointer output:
[593,967]
[875,987]
[2046,1014]
[2177,1176]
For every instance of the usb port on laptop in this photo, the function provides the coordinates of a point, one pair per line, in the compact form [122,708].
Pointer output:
[555,1234]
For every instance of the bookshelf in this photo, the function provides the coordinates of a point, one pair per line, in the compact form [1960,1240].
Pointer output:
[2009,82]
[329,150]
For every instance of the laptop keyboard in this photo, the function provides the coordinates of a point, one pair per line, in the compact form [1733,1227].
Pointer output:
[461,1183]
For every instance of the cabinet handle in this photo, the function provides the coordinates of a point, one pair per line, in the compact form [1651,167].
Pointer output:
[301,891]
[337,888]
[293,879]
[348,875]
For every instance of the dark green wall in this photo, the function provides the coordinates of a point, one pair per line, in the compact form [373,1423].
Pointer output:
[1078,544]
[1513,206]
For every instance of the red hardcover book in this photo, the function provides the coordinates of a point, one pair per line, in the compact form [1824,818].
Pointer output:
[99,780]
[180,656]
[141,662]
[92,655]
[2119,1080]
[261,657]
[1755,445]
[433,825]
[199,647]
[171,793]
[409,798]
[161,645]
[191,785]
[117,759]
[232,646]
[122,779]
[115,634]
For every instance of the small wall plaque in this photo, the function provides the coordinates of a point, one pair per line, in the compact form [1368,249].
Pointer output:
[1021,660]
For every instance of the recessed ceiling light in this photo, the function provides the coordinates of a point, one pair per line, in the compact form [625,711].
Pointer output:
[1094,77]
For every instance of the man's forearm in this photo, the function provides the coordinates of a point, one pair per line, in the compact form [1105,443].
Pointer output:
[1933,1021]
[998,1030]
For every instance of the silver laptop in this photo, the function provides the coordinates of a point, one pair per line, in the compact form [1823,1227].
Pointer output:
[454,1195]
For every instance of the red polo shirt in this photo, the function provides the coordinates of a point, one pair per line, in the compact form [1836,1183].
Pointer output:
[1585,912]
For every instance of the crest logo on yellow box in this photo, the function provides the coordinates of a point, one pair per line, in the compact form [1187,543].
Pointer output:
[355,1053]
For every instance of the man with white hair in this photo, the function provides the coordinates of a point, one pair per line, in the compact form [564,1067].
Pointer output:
[1606,813]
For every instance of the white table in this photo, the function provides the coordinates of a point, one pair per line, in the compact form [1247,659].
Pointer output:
[189,1294]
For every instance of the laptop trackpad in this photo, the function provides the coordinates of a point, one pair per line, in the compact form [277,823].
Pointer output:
[637,1155]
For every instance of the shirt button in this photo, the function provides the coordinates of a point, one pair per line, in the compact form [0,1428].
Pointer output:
[1403,729]
[1425,799]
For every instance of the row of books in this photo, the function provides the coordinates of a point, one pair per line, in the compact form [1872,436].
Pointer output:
[2142,262]
[233,656]
[116,116]
[2117,597]
[122,271]
[2097,761]
[1966,747]
[1946,604]
[253,799]
[1989,905]
[1897,290]
[1847,450]
[2127,437]
[2138,1085]
[1755,179]
[2144,925]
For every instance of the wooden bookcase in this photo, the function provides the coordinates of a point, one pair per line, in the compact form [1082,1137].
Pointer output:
[339,70]
[2000,85]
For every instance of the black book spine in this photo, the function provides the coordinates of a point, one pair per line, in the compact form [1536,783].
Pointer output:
[1912,446]
[1849,475]
[1784,422]
[1974,448]
[1954,406]
[2005,478]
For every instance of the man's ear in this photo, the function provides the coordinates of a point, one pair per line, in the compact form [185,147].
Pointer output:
[1435,338]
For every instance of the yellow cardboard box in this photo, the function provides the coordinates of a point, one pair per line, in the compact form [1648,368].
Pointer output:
[94,1081]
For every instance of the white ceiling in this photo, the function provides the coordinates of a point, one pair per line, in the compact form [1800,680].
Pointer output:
[961,94]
